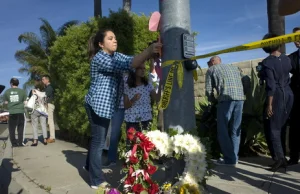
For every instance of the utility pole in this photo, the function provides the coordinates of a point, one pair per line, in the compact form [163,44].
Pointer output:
[97,8]
[276,23]
[175,20]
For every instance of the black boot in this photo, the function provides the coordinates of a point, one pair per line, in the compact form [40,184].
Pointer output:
[281,163]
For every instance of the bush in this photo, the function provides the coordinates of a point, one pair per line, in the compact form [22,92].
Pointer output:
[70,64]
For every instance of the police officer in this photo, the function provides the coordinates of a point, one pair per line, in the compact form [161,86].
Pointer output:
[294,143]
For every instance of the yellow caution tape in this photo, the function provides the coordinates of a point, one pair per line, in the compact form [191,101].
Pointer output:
[195,75]
[249,46]
[166,96]
[180,75]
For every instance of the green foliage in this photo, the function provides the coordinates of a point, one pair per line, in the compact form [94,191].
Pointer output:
[35,57]
[70,63]
[253,139]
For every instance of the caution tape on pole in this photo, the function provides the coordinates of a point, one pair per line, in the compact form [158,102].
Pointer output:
[166,96]
[294,37]
[180,75]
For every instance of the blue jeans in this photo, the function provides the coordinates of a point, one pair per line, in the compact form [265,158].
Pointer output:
[229,119]
[116,124]
[99,128]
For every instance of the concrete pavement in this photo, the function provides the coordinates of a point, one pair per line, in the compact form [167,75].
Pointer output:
[8,185]
[3,127]
[57,168]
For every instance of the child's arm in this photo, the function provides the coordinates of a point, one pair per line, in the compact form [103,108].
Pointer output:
[156,96]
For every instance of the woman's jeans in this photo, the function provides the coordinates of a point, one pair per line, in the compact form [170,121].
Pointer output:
[99,128]
[116,124]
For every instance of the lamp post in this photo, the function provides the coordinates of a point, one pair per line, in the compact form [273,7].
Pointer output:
[175,21]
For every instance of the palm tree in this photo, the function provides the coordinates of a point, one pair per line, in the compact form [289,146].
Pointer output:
[35,57]
[127,5]
[97,8]
[276,22]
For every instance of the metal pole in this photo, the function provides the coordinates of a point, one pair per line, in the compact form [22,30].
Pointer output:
[175,20]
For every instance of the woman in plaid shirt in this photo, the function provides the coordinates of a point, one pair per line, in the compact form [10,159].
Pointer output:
[106,70]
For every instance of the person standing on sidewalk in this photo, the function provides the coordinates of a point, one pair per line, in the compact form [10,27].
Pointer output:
[15,99]
[227,80]
[50,102]
[279,101]
[294,143]
[37,115]
[104,95]
[116,124]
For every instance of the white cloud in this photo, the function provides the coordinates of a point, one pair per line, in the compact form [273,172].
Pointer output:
[247,17]
[18,77]
[201,49]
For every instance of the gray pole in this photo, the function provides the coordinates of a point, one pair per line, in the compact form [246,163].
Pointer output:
[175,20]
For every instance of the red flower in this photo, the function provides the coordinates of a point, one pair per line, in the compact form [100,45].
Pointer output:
[147,146]
[141,136]
[131,133]
[137,188]
[133,159]
[151,169]
[129,180]
[153,189]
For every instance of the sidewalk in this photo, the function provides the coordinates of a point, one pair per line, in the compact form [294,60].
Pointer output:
[57,168]
[7,183]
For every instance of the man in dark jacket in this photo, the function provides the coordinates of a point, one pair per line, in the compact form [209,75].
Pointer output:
[294,143]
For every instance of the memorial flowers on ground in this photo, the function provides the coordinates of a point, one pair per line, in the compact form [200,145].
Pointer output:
[154,144]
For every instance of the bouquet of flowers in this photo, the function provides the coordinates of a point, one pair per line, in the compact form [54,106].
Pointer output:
[138,165]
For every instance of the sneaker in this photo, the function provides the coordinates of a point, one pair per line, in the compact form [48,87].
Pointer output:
[21,145]
[221,162]
[222,159]
[14,145]
[102,185]
[109,164]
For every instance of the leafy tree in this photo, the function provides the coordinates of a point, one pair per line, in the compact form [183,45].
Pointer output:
[35,57]
[71,66]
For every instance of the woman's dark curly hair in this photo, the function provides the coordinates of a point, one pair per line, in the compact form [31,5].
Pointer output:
[131,80]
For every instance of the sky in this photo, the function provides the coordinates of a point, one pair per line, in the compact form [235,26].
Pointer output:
[220,24]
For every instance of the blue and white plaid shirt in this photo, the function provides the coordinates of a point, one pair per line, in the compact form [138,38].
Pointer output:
[105,91]
[226,79]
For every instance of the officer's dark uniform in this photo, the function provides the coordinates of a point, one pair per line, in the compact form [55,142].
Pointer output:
[276,73]
[294,137]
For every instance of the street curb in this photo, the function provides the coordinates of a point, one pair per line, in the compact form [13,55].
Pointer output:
[18,175]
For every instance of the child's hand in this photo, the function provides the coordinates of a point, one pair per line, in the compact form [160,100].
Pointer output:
[137,97]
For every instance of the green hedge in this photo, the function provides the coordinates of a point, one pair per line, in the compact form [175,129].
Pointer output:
[70,64]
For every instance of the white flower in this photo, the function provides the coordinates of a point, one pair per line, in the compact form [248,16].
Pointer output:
[177,128]
[161,142]
[127,155]
[192,148]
